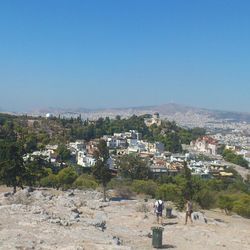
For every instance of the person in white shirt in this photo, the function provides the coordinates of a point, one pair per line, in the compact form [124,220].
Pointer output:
[158,206]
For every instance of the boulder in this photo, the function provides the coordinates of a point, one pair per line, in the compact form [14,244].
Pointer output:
[7,194]
[199,217]
[74,216]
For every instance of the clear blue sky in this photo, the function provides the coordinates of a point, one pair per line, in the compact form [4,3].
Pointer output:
[124,53]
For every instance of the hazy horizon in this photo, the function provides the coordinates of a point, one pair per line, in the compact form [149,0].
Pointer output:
[114,54]
[81,109]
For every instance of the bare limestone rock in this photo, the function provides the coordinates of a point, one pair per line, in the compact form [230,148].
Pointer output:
[199,217]
[52,219]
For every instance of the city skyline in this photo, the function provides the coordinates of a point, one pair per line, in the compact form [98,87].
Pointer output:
[113,54]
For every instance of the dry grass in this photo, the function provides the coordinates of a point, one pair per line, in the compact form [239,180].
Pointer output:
[143,208]
[5,189]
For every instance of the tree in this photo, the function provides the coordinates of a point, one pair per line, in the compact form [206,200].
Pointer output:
[66,177]
[230,156]
[133,167]
[12,170]
[148,187]
[7,131]
[205,198]
[226,202]
[188,189]
[30,143]
[118,117]
[50,181]
[248,178]
[172,142]
[63,153]
[35,169]
[101,169]
[197,132]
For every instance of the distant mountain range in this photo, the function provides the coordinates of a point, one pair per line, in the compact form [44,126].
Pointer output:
[170,111]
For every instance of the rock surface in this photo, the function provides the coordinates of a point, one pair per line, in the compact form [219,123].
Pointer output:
[51,219]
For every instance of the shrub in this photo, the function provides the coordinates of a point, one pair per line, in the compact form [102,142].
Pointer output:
[180,203]
[115,183]
[168,192]
[122,187]
[124,192]
[237,186]
[225,202]
[49,181]
[215,185]
[66,177]
[85,181]
[242,205]
[205,198]
[144,187]
[143,208]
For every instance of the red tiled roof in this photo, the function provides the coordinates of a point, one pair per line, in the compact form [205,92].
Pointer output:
[208,139]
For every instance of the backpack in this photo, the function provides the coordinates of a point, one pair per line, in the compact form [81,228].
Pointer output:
[160,207]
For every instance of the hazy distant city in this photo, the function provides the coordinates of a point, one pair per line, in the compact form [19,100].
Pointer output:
[228,127]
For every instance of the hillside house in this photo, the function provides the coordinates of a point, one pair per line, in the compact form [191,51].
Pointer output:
[85,160]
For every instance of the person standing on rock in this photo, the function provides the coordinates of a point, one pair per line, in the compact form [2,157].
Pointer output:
[158,206]
[189,211]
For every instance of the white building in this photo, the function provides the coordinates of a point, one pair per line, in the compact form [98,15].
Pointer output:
[51,147]
[45,154]
[85,160]
[115,142]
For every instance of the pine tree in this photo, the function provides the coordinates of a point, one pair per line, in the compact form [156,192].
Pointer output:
[12,170]
[101,169]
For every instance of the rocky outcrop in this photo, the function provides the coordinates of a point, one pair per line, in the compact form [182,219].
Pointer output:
[52,219]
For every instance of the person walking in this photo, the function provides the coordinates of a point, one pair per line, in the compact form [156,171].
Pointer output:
[189,211]
[158,206]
